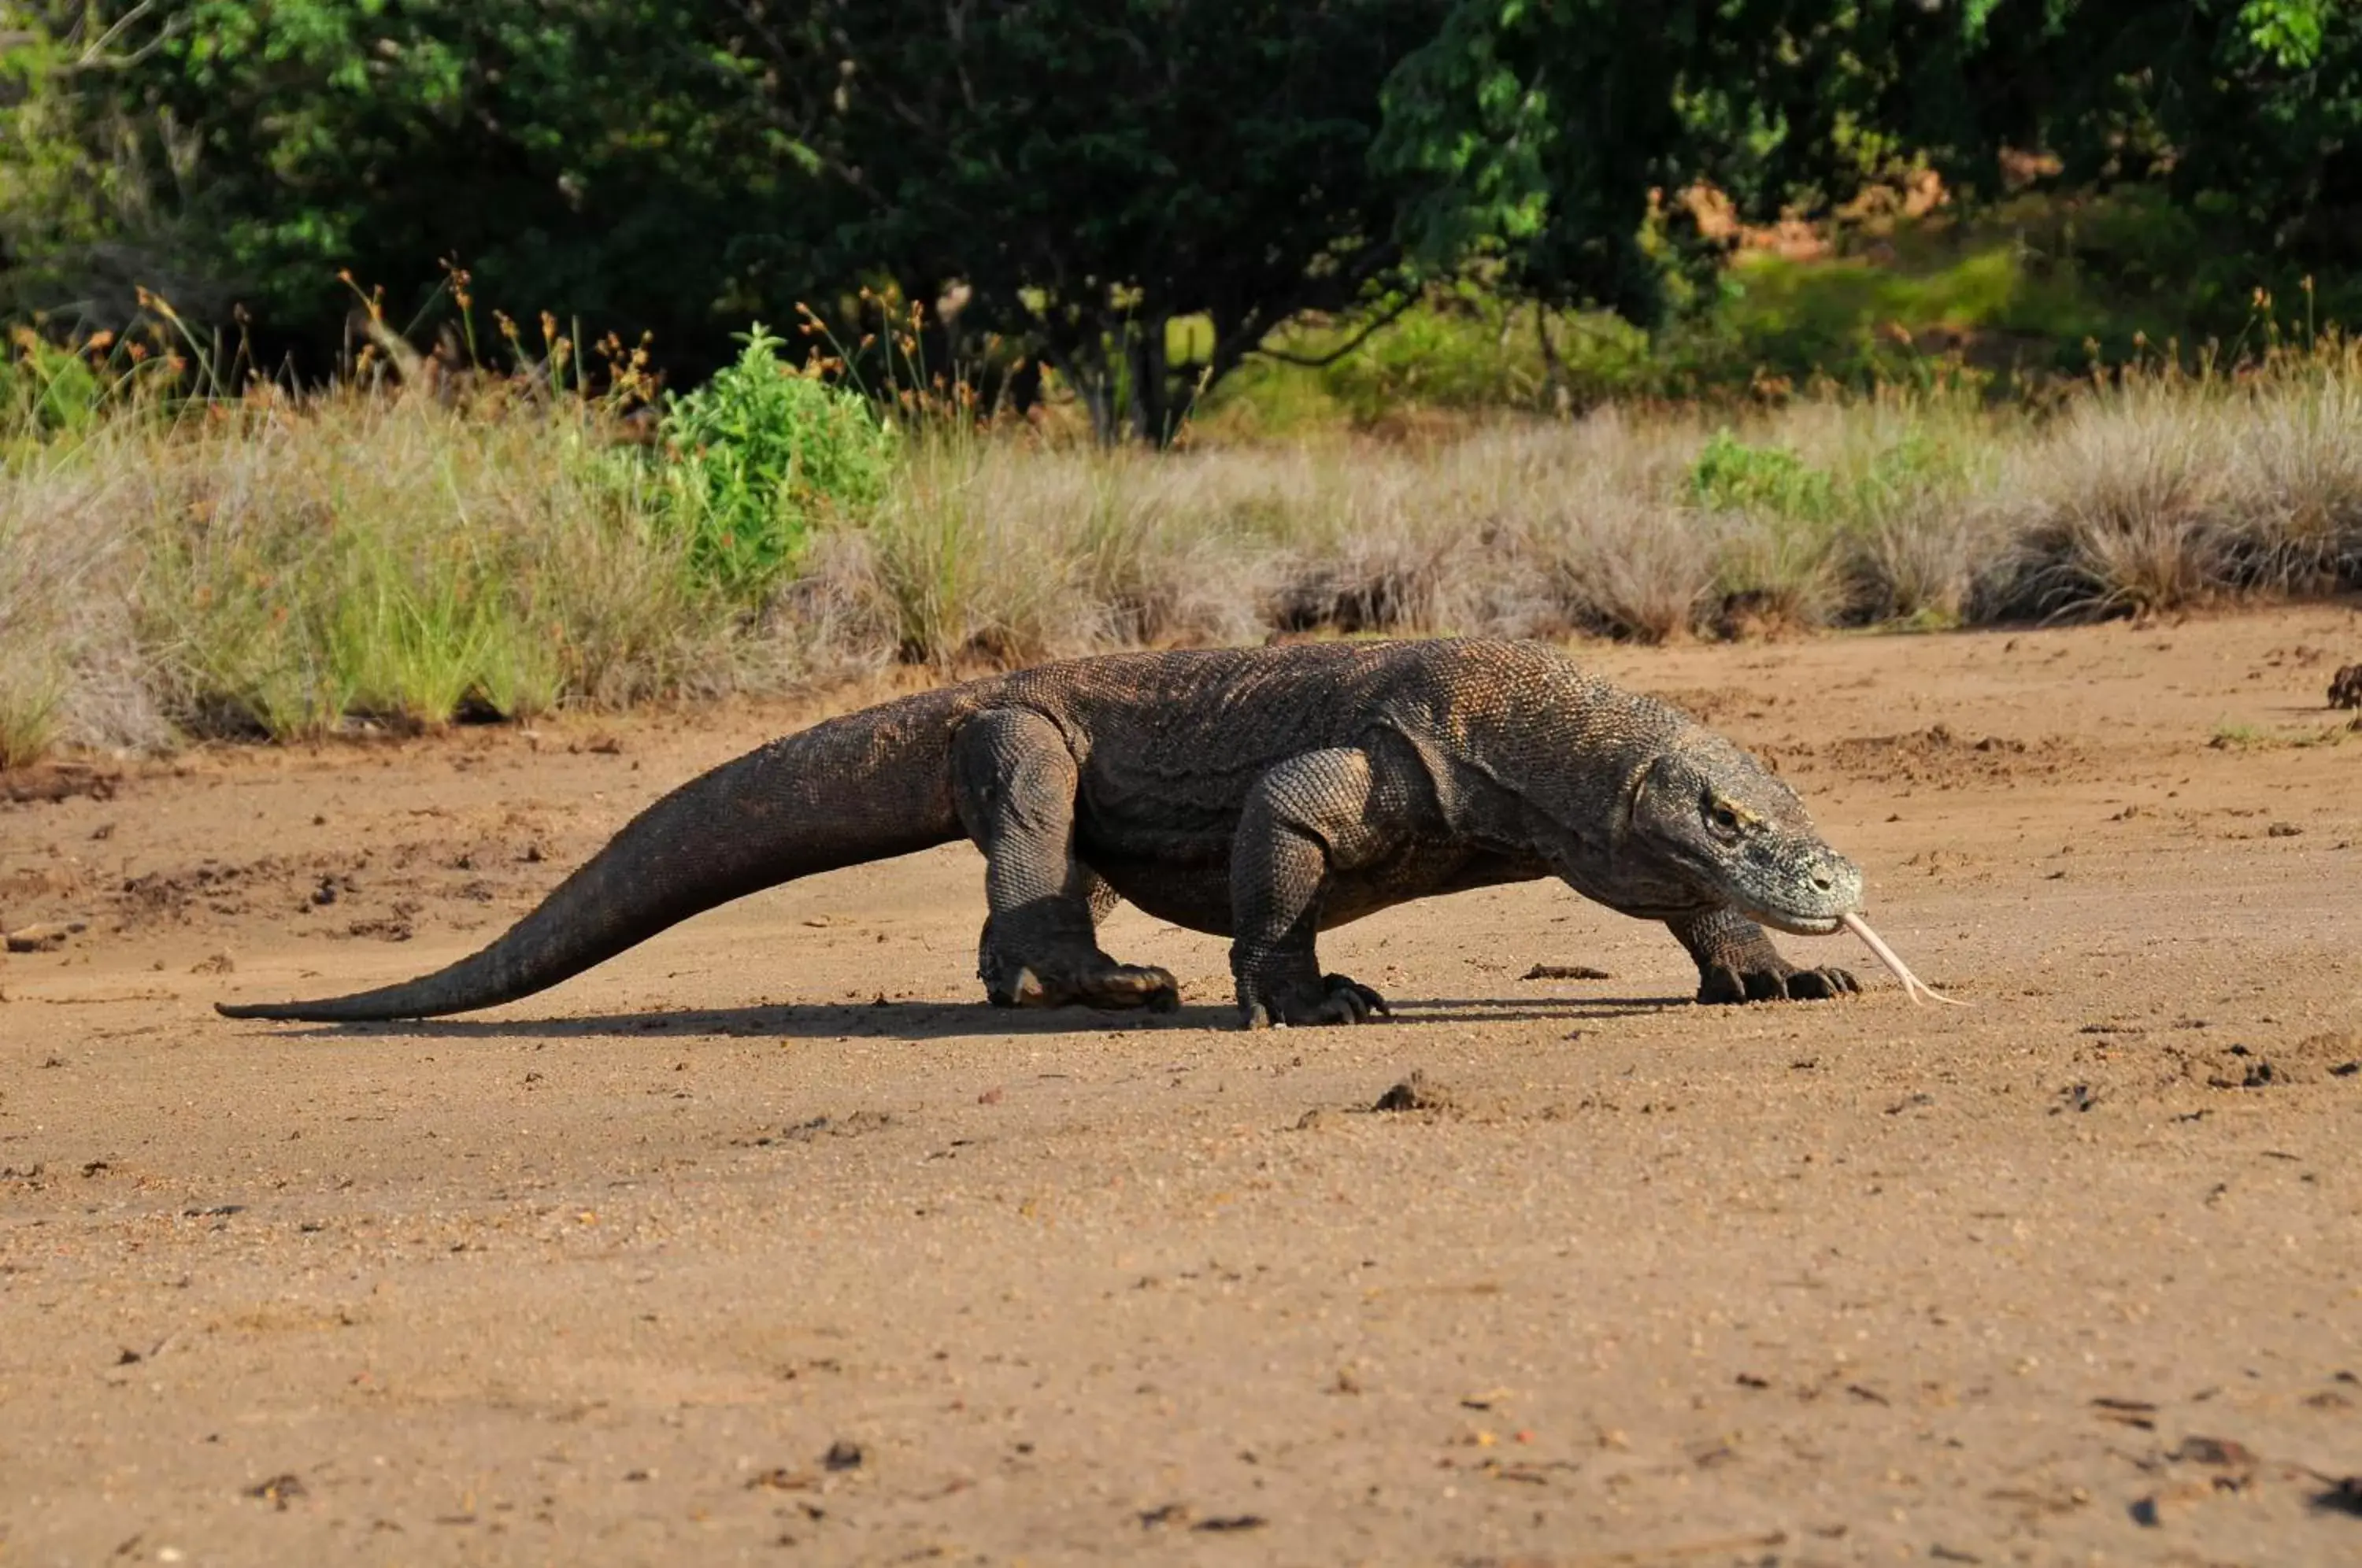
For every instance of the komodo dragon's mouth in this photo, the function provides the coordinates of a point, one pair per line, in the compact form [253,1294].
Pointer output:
[1839,882]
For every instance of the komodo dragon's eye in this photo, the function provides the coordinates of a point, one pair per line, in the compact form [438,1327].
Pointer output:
[1724,820]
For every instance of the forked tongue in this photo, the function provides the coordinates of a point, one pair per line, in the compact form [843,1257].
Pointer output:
[1912,985]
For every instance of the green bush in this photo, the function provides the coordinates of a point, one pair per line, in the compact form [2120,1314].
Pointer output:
[759,455]
[47,390]
[1732,476]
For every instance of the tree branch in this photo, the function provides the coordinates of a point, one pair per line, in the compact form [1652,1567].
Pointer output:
[93,55]
[1321,361]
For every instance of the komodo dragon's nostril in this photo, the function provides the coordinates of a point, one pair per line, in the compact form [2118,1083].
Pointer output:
[1821,881]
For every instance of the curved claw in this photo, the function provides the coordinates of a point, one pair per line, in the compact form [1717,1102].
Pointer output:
[1358,996]
[1342,1007]
[1112,987]
[1026,989]
[1132,986]
[1340,1000]
[1728,985]
[1822,985]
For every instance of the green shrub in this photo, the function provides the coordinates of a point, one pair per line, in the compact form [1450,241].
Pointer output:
[759,455]
[47,388]
[1732,476]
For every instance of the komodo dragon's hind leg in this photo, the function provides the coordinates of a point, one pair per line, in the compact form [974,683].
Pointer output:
[1014,781]
[1737,962]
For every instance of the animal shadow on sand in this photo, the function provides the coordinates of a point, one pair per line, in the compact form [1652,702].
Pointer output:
[924,1019]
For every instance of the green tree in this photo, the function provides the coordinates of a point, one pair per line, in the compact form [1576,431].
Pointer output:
[2248,110]
[1089,170]
[78,182]
[1543,133]
[1081,172]
[1083,169]
[1537,130]
[591,157]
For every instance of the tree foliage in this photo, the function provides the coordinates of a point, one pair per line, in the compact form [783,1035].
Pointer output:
[2248,109]
[1081,172]
[591,157]
[1547,132]
[1542,130]
[1084,170]
[1089,170]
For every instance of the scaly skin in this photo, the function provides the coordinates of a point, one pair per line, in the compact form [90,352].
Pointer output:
[1264,795]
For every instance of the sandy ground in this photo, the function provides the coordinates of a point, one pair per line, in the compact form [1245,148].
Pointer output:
[768,1242]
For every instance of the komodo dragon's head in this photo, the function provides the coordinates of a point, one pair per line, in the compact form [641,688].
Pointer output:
[1704,824]
[1696,825]
[1702,815]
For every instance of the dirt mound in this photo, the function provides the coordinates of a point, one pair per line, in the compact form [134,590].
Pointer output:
[1417,1092]
[2154,1063]
[61,781]
[211,886]
[332,895]
[1938,756]
[2316,1058]
[1713,704]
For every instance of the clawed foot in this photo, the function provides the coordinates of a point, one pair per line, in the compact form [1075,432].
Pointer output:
[1725,983]
[1112,987]
[1335,1000]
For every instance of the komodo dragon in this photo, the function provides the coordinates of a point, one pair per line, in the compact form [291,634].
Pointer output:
[1264,795]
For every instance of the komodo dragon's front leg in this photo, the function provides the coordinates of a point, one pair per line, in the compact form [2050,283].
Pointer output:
[1014,781]
[1309,817]
[1737,962]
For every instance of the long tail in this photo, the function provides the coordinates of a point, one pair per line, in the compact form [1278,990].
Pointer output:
[866,787]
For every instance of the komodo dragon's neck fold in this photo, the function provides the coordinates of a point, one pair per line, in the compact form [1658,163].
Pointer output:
[1559,780]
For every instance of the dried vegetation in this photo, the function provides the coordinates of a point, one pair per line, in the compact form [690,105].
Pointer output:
[284,567]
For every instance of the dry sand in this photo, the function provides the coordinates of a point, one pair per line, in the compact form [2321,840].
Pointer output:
[767,1242]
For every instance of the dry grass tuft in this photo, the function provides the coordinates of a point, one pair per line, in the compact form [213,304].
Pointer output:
[406,563]
[70,668]
[268,568]
[2295,470]
[2120,508]
[1917,564]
